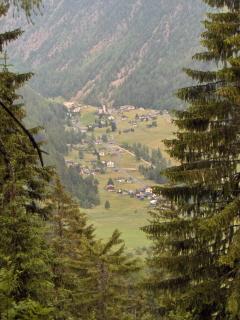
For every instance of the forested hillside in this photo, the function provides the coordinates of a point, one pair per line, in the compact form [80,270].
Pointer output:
[123,52]
[52,117]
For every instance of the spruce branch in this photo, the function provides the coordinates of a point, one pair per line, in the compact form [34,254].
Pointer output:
[26,131]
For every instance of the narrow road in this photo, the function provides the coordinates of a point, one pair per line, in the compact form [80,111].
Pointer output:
[122,170]
[133,155]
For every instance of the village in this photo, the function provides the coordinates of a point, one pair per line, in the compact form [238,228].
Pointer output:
[100,152]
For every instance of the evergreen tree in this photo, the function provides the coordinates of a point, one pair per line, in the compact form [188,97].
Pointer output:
[25,273]
[194,228]
[81,154]
[110,182]
[107,205]
[69,235]
[113,126]
[28,6]
[107,283]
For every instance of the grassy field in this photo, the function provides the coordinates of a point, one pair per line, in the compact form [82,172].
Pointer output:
[126,214]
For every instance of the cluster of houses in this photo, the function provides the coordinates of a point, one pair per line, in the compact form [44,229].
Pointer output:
[85,170]
[153,115]
[140,194]
[124,180]
[127,108]
[73,107]
[105,111]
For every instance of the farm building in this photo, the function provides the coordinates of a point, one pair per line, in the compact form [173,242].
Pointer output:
[110,164]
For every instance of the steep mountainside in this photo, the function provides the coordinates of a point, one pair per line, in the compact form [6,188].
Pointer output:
[52,117]
[123,52]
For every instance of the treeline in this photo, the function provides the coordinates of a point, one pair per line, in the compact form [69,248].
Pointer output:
[142,151]
[153,173]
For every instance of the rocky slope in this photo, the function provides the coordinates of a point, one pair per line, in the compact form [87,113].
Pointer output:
[120,52]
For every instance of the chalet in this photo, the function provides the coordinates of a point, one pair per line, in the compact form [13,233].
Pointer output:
[83,130]
[110,164]
[110,188]
[69,105]
[149,191]
[103,110]
[86,171]
[153,202]
[102,153]
[77,110]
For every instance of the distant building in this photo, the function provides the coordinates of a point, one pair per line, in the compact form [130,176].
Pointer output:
[127,108]
[103,110]
[110,164]
[69,105]
[110,188]
[77,110]
[149,190]
[153,202]
[83,130]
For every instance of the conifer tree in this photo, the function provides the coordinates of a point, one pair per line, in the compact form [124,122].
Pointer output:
[25,273]
[107,205]
[195,226]
[107,282]
[91,278]
[70,235]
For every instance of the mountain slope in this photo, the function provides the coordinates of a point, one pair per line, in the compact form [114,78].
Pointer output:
[52,117]
[122,52]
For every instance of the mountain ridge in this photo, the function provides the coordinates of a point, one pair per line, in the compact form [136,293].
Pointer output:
[127,52]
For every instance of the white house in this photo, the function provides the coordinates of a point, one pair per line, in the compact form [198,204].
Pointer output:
[149,190]
[153,202]
[110,164]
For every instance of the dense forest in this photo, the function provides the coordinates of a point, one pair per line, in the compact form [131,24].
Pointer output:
[52,266]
